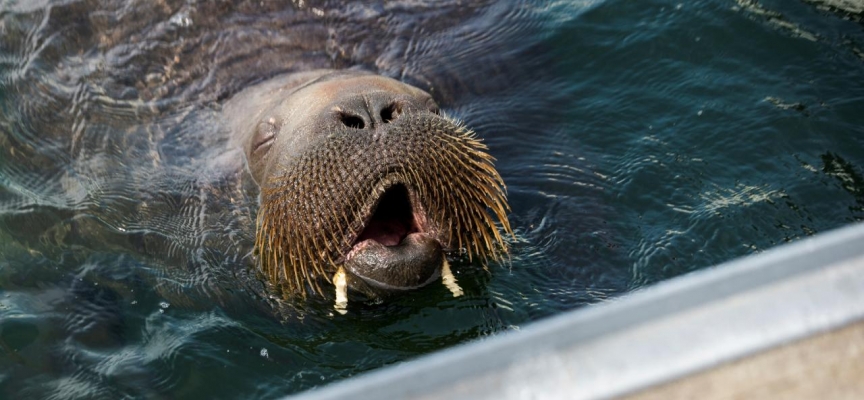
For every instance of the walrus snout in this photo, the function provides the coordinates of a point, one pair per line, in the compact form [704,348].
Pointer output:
[365,185]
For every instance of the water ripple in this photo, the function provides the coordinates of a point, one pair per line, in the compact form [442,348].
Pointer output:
[638,140]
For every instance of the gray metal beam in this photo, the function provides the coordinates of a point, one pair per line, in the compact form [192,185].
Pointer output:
[651,336]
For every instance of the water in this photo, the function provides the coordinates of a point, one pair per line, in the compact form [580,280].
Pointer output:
[639,141]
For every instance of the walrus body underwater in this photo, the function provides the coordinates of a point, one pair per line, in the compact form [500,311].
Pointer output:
[363,184]
[130,210]
[256,147]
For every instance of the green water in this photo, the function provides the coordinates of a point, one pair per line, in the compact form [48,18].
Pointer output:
[639,141]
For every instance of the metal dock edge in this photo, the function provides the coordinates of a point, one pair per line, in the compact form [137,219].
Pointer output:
[648,343]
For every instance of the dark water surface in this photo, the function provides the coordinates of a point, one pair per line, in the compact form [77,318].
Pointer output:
[640,140]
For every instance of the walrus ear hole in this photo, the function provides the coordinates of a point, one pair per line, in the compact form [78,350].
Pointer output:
[390,112]
[352,121]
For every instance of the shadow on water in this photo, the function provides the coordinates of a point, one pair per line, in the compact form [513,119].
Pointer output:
[848,178]
[638,141]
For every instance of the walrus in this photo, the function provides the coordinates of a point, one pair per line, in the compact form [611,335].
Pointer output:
[364,184]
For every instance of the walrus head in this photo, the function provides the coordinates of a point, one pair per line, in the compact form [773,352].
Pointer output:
[360,173]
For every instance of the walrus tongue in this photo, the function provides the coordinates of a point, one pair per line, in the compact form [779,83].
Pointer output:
[387,231]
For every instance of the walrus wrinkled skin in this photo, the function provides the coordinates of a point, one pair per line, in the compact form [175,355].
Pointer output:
[360,173]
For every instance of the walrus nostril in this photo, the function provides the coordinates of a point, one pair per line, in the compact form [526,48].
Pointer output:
[390,112]
[352,121]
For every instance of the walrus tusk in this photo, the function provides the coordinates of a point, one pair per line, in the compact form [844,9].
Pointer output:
[341,283]
[450,280]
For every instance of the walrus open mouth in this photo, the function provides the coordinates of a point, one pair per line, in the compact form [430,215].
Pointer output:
[384,206]
[393,219]
[394,251]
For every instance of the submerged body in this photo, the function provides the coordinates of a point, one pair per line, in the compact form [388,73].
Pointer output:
[136,123]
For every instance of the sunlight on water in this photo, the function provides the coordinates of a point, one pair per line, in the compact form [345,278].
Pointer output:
[638,140]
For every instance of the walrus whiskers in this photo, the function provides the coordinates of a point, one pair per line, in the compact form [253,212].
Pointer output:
[311,211]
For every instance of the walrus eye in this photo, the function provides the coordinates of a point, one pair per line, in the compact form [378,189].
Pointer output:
[264,135]
[352,121]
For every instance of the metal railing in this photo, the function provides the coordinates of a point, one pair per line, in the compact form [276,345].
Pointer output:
[654,335]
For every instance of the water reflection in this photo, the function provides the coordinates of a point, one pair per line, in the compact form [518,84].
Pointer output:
[639,141]
[848,178]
